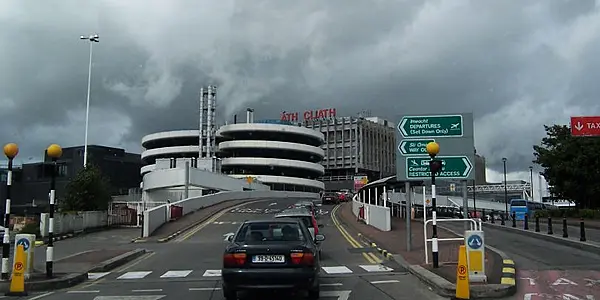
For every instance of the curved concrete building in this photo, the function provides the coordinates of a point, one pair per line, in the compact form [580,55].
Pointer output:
[168,144]
[284,157]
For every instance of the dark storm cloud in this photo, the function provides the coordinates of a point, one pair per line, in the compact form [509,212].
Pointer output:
[515,64]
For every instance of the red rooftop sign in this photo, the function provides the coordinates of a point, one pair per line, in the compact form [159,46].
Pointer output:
[316,114]
[585,126]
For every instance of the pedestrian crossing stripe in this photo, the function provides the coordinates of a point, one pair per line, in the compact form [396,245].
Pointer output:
[217,273]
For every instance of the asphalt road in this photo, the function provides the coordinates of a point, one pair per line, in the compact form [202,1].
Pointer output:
[546,270]
[189,267]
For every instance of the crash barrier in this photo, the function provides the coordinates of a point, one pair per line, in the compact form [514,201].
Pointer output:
[157,216]
[73,222]
[374,215]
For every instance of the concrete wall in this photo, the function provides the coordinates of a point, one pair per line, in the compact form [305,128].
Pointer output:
[376,216]
[167,178]
[157,216]
[74,222]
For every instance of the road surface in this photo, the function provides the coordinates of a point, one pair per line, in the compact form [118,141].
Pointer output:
[189,267]
[546,270]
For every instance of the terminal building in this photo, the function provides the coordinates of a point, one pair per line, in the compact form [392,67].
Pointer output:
[354,146]
[284,157]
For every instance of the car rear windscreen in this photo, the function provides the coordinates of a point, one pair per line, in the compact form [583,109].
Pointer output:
[276,232]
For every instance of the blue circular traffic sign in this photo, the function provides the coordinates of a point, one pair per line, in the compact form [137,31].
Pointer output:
[25,243]
[474,242]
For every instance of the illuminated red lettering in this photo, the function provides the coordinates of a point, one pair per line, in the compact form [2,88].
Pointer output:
[331,113]
[294,117]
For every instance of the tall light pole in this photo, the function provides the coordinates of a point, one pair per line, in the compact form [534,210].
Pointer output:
[531,181]
[505,189]
[92,39]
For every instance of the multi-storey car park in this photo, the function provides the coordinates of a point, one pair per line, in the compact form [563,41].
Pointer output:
[168,144]
[282,156]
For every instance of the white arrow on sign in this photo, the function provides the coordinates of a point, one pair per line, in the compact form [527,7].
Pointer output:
[468,168]
[341,295]
[579,126]
[401,127]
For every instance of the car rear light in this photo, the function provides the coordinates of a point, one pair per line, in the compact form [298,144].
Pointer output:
[234,259]
[302,258]
[315,225]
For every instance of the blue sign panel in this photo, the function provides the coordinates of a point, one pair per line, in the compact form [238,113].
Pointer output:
[25,243]
[474,242]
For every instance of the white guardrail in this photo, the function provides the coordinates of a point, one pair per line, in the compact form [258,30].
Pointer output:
[475,224]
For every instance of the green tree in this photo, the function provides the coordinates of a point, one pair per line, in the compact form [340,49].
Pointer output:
[571,165]
[88,190]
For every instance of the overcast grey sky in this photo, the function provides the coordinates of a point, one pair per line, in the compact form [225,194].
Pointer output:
[515,64]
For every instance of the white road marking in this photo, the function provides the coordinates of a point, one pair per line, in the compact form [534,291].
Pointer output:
[176,274]
[337,270]
[340,295]
[97,275]
[145,297]
[384,281]
[331,284]
[204,289]
[134,275]
[147,291]
[376,268]
[41,296]
[212,273]
[84,292]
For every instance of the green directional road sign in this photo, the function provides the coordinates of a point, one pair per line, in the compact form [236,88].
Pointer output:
[431,126]
[455,167]
[414,147]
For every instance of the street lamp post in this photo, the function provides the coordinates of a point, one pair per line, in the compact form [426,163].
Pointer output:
[435,166]
[505,190]
[92,39]
[54,151]
[10,151]
[531,181]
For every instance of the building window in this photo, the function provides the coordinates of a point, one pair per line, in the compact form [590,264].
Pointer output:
[62,171]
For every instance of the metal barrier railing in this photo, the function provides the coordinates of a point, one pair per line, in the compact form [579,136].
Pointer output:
[475,224]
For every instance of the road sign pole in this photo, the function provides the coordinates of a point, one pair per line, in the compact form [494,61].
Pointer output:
[408,215]
[465,203]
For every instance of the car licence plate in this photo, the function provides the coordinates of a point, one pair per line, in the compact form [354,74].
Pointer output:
[268,259]
[328,198]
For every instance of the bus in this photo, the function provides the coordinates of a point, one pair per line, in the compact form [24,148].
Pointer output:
[522,207]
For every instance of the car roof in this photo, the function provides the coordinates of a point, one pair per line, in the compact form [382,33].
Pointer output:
[294,212]
[282,221]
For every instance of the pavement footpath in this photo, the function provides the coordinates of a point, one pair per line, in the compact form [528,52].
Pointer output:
[392,244]
[73,258]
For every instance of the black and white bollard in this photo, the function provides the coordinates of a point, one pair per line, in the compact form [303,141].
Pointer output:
[10,151]
[54,152]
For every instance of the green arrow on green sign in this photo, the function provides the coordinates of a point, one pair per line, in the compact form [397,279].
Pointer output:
[456,167]
[414,147]
[431,126]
